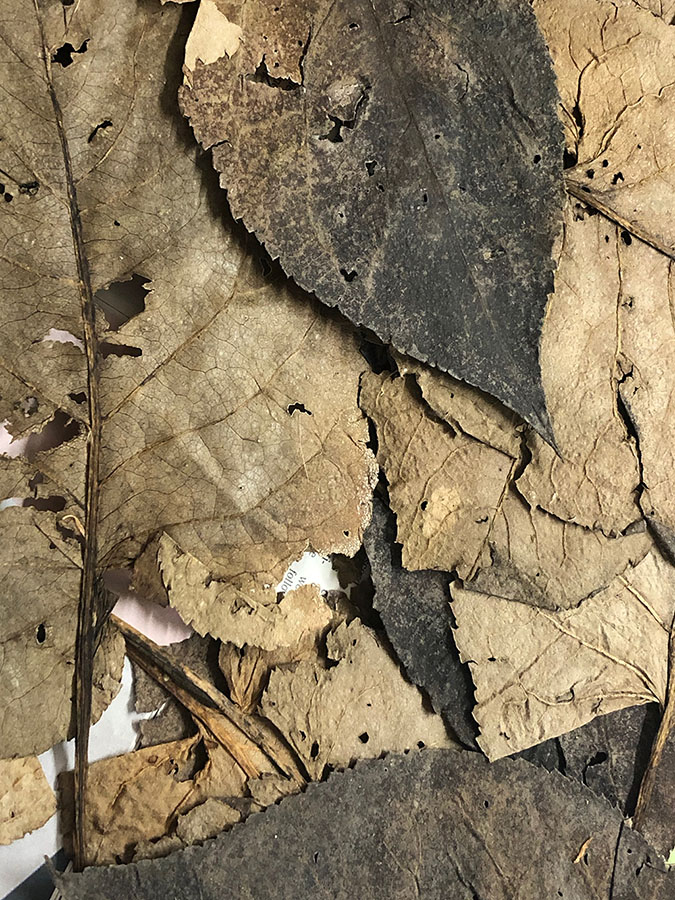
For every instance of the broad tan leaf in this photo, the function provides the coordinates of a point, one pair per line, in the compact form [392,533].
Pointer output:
[359,707]
[444,486]
[535,558]
[430,234]
[197,419]
[539,674]
[139,796]
[26,799]
[614,65]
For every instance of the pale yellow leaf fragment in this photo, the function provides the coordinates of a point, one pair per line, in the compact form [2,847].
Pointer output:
[136,798]
[26,799]
[359,708]
[594,478]
[211,37]
[614,64]
[539,674]
[444,486]
[210,608]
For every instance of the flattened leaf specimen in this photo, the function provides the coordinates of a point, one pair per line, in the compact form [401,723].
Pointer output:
[436,231]
[444,486]
[594,479]
[26,799]
[139,796]
[189,414]
[610,753]
[614,65]
[415,611]
[536,558]
[539,674]
[40,572]
[648,384]
[458,509]
[431,824]
[359,707]
[206,605]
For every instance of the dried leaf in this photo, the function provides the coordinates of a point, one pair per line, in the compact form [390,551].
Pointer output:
[433,824]
[134,797]
[205,821]
[465,408]
[613,63]
[456,510]
[648,384]
[539,674]
[359,707]
[610,753]
[40,566]
[594,479]
[436,235]
[415,611]
[536,558]
[234,461]
[139,796]
[26,799]
[444,486]
[210,608]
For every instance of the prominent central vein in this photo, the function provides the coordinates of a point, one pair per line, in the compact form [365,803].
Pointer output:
[86,620]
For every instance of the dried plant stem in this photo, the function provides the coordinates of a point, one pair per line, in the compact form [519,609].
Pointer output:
[253,742]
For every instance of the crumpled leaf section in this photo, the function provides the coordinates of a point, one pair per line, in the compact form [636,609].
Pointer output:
[613,63]
[444,486]
[458,508]
[208,607]
[539,674]
[357,708]
[26,799]
[140,797]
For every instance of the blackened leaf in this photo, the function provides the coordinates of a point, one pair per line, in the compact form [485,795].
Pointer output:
[402,161]
[610,754]
[415,611]
[433,824]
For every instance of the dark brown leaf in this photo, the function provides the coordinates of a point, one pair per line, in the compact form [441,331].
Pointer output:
[404,163]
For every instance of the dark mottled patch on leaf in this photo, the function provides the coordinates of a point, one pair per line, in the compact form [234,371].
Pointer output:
[412,177]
